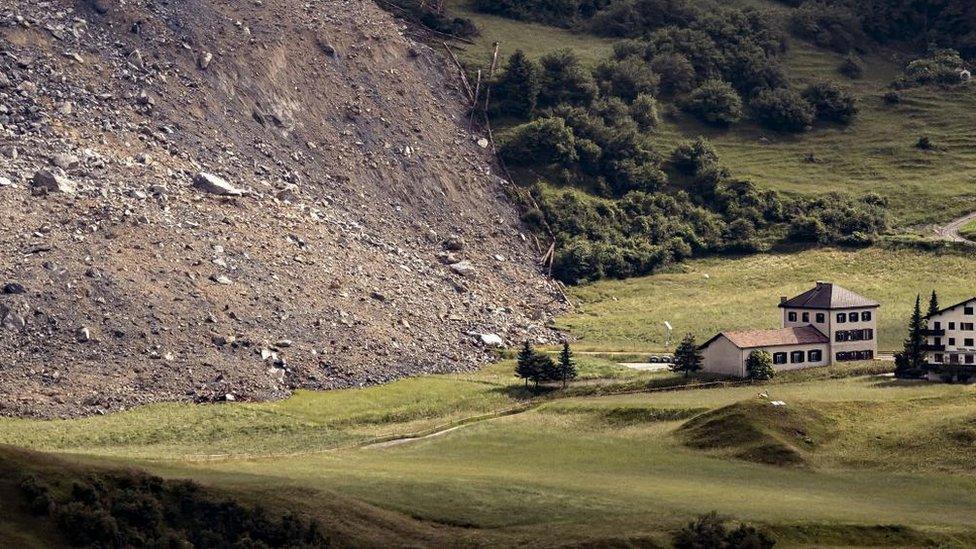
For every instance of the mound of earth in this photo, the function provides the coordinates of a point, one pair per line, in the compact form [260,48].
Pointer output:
[760,432]
[204,200]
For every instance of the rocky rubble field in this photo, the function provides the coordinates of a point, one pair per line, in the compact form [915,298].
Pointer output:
[223,200]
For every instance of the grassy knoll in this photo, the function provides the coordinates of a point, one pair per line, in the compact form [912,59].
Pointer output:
[876,153]
[599,469]
[969,230]
[711,295]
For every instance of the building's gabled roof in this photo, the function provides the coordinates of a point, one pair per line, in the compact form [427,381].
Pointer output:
[752,339]
[826,295]
[951,307]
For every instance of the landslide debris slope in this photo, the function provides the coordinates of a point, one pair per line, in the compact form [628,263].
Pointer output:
[349,229]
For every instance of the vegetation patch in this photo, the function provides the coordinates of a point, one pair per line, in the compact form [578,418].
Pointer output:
[761,432]
[626,416]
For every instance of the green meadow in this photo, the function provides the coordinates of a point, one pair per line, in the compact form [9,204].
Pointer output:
[890,463]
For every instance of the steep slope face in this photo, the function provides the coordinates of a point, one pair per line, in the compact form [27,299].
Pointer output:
[371,239]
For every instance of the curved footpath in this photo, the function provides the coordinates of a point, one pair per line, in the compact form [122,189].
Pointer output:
[950,231]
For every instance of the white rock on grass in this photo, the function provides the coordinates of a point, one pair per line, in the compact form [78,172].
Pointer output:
[210,183]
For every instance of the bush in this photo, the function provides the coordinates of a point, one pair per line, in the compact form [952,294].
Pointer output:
[678,75]
[562,13]
[784,110]
[715,102]
[940,67]
[544,141]
[710,531]
[829,25]
[759,366]
[694,157]
[626,78]
[644,111]
[831,102]
[892,98]
[807,229]
[851,67]
[563,80]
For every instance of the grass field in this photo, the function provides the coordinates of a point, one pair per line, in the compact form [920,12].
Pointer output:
[712,295]
[876,153]
[572,470]
[969,230]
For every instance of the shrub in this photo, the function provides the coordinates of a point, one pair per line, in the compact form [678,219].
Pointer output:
[892,98]
[831,102]
[759,366]
[710,531]
[807,229]
[544,141]
[644,111]
[851,67]
[563,80]
[715,102]
[940,67]
[925,143]
[678,75]
[829,25]
[783,109]
[626,78]
[517,90]
[692,158]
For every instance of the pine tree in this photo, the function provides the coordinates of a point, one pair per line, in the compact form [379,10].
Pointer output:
[567,368]
[687,358]
[933,304]
[525,367]
[518,88]
[912,358]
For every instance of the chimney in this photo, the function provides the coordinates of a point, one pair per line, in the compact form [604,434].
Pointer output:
[821,283]
[783,299]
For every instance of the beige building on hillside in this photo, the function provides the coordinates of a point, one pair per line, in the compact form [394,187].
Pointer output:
[821,326]
[950,346]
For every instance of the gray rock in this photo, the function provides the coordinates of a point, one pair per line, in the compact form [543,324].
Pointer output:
[13,288]
[454,243]
[204,60]
[4,182]
[12,321]
[491,340]
[463,268]
[53,181]
[66,161]
[83,334]
[210,183]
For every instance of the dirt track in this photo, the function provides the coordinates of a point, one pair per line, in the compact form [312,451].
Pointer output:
[950,231]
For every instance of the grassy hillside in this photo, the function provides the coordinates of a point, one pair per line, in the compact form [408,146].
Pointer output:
[876,153]
[710,295]
[598,469]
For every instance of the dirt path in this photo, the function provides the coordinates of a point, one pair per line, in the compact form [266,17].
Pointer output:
[950,231]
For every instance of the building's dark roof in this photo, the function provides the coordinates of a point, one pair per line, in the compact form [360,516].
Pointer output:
[951,307]
[802,335]
[826,295]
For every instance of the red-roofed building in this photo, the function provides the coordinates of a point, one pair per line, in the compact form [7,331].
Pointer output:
[823,325]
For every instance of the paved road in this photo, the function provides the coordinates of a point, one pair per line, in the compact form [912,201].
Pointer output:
[950,231]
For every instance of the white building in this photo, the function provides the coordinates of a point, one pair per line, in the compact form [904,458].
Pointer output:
[950,348]
[821,326]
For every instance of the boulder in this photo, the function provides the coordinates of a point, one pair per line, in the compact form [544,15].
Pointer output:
[13,288]
[463,268]
[53,181]
[490,340]
[210,183]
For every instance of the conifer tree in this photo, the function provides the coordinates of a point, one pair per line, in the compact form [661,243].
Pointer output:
[687,358]
[526,365]
[567,368]
[518,88]
[933,304]
[912,358]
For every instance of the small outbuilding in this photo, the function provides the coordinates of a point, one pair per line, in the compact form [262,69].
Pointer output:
[791,348]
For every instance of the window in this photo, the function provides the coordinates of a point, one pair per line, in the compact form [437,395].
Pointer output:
[806,317]
[969,359]
[938,325]
[968,342]
[952,341]
[815,355]
[968,310]
[866,316]
[953,358]
[841,357]
[821,318]
[937,357]
[841,318]
[842,335]
[792,317]
[779,358]
[868,334]
[865,355]
[966,326]
[796,357]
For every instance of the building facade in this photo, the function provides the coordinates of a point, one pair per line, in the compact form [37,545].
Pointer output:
[821,326]
[950,346]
